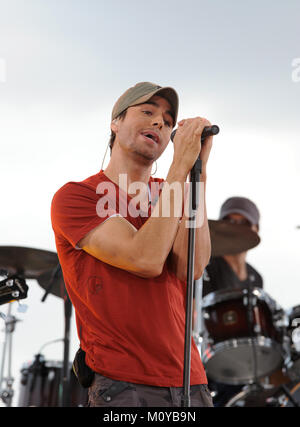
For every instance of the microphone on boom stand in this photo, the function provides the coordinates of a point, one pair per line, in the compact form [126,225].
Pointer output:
[194,179]
[207,131]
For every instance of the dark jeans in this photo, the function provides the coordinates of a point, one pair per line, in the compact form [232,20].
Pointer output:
[107,392]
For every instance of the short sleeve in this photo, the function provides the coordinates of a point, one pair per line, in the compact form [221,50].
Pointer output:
[77,209]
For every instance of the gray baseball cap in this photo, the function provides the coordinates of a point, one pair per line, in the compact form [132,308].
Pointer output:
[243,206]
[141,93]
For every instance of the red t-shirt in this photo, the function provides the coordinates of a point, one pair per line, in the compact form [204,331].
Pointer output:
[131,328]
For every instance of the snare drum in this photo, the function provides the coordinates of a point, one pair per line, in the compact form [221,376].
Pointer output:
[240,342]
[41,385]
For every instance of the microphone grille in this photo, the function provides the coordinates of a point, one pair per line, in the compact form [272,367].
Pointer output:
[173,135]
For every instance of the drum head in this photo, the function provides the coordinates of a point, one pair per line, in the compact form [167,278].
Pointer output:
[241,361]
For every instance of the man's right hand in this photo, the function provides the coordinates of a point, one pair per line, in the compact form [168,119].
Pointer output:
[187,143]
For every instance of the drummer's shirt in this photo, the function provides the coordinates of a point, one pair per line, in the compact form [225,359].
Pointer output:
[218,275]
[131,328]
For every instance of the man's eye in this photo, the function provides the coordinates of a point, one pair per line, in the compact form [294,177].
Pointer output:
[167,123]
[147,112]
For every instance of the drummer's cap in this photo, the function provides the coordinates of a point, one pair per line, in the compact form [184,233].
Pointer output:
[141,93]
[243,206]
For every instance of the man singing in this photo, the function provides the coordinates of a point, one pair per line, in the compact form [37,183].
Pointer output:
[124,268]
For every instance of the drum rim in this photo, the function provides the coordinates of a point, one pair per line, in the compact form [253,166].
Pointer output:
[260,341]
[236,342]
[231,294]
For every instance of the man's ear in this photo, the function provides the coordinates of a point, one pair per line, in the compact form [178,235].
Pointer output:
[114,125]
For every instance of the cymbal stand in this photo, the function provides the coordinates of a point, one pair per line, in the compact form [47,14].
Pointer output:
[6,394]
[286,391]
[65,396]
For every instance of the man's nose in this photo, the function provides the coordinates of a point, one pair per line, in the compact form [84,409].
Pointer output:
[158,120]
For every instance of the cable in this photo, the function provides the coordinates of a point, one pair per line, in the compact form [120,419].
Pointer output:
[50,342]
[104,156]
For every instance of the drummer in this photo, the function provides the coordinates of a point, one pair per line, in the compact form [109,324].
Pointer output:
[232,272]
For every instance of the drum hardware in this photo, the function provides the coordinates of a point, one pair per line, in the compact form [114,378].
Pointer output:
[229,318]
[256,396]
[289,395]
[12,288]
[296,334]
[43,266]
[290,370]
[292,361]
[248,298]
[197,339]
[257,329]
[251,311]
[6,394]
[53,283]
[50,342]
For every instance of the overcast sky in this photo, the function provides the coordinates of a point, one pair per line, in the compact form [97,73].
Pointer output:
[63,64]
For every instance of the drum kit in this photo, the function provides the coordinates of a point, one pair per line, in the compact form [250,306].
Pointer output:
[245,338]
[43,382]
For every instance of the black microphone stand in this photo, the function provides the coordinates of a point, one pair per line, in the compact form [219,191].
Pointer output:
[194,203]
[193,206]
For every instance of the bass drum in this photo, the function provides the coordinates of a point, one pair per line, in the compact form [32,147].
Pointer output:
[281,397]
[41,385]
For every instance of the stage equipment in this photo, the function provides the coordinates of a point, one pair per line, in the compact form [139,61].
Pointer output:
[195,174]
[230,239]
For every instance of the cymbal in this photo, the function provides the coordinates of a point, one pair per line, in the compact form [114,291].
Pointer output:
[53,282]
[231,239]
[29,263]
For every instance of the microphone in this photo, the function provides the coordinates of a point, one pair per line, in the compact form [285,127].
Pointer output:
[207,131]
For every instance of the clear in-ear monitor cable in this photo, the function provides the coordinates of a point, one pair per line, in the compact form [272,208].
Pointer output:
[104,156]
